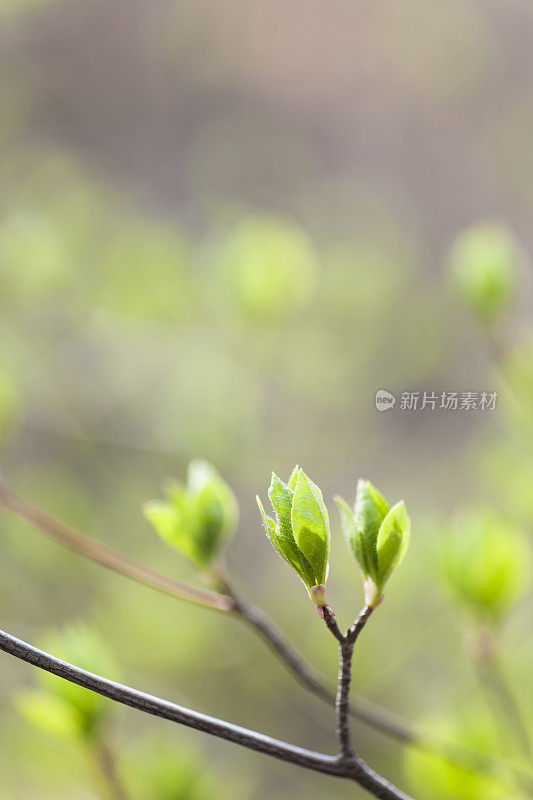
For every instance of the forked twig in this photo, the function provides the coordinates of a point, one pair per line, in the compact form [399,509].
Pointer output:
[355,769]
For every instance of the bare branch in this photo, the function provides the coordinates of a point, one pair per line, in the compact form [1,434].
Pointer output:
[329,618]
[355,769]
[370,713]
[107,556]
[342,705]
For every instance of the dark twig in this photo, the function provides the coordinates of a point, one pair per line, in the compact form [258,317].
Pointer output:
[354,769]
[346,648]
[328,616]
[346,643]
[364,710]
[342,706]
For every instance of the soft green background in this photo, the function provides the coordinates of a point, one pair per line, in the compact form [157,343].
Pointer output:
[223,228]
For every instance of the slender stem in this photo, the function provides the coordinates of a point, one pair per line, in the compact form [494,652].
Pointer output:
[329,618]
[355,770]
[342,705]
[502,699]
[107,767]
[364,710]
[105,555]
[353,633]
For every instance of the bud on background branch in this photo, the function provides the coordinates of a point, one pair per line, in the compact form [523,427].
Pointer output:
[196,519]
[482,264]
[485,563]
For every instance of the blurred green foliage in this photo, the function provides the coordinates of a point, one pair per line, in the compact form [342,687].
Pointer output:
[483,263]
[168,773]
[212,246]
[61,708]
[269,268]
[441,779]
[197,519]
[486,563]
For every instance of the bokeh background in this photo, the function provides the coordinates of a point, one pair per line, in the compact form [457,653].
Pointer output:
[224,226]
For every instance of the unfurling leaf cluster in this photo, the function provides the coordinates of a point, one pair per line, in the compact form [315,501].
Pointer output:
[377,534]
[301,532]
[197,518]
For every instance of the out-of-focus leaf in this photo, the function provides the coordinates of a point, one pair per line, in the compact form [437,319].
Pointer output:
[62,707]
[55,716]
[270,267]
[196,519]
[164,772]
[485,562]
[34,256]
[145,273]
[482,264]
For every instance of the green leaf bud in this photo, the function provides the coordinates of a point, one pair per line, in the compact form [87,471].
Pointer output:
[482,265]
[377,535]
[196,519]
[300,533]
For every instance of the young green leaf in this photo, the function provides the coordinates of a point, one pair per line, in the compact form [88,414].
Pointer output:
[310,525]
[198,518]
[393,539]
[378,536]
[301,532]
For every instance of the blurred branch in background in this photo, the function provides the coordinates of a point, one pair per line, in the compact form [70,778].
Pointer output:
[501,698]
[107,556]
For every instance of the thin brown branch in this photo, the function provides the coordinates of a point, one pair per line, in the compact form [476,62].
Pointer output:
[355,769]
[342,704]
[107,556]
[364,710]
[328,616]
